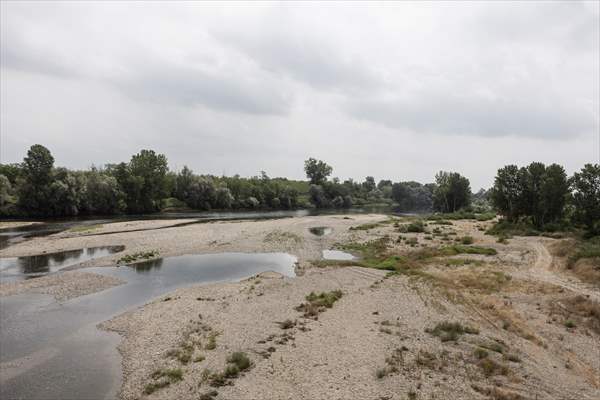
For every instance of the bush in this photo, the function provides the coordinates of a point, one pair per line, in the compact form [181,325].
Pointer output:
[240,360]
[451,331]
[466,240]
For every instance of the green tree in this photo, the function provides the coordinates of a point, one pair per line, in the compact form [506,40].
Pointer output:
[317,171]
[102,194]
[453,192]
[506,192]
[586,197]
[369,184]
[554,193]
[143,181]
[5,191]
[34,190]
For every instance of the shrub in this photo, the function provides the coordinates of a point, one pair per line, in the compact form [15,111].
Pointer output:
[324,299]
[480,353]
[240,360]
[451,331]
[466,240]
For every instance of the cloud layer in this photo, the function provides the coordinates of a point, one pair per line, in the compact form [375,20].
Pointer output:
[396,90]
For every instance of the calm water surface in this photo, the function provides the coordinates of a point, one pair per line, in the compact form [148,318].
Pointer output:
[60,352]
[19,268]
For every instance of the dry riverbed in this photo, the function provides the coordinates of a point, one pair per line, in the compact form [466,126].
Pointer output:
[511,324]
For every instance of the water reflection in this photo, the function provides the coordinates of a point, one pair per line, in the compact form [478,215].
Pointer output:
[85,359]
[16,268]
[148,266]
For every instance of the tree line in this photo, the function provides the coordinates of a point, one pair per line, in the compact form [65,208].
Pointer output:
[538,194]
[545,197]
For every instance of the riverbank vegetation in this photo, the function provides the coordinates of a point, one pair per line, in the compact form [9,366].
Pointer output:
[532,200]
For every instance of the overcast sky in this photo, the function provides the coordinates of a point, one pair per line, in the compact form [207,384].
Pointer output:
[393,90]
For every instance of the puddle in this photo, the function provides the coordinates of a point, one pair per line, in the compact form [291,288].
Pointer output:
[337,255]
[67,357]
[320,230]
[18,268]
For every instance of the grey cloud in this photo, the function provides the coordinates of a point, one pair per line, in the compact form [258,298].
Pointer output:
[189,87]
[302,57]
[473,115]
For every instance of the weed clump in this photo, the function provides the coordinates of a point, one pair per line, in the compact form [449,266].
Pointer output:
[460,249]
[142,255]
[287,324]
[317,303]
[240,360]
[467,240]
[451,331]
[163,378]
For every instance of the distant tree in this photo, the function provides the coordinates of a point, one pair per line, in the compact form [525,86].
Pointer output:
[384,183]
[202,194]
[506,192]
[102,194]
[65,194]
[317,171]
[11,171]
[554,193]
[412,196]
[34,190]
[318,196]
[536,192]
[453,192]
[586,197]
[369,184]
[223,198]
[5,191]
[183,183]
[147,172]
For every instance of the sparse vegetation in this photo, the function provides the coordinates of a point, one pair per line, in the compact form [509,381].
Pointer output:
[287,324]
[460,249]
[451,331]
[467,240]
[142,255]
[282,236]
[163,378]
[317,303]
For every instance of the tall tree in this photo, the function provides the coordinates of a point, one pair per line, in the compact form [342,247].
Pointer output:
[586,197]
[34,191]
[506,192]
[453,192]
[148,172]
[317,171]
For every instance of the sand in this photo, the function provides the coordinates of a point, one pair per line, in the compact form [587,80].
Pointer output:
[381,322]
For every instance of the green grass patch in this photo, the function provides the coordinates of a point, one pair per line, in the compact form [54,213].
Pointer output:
[462,249]
[417,226]
[462,215]
[589,248]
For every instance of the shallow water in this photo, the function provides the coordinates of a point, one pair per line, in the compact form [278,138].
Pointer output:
[320,230]
[337,255]
[10,236]
[61,353]
[18,268]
